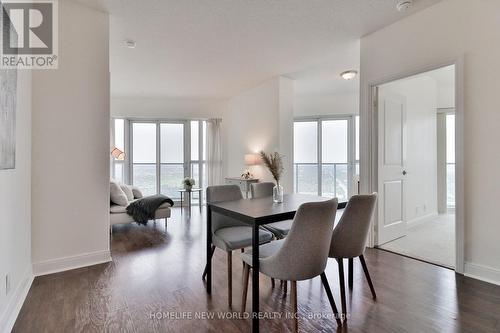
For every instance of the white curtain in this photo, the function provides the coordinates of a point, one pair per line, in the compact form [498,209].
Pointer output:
[214,152]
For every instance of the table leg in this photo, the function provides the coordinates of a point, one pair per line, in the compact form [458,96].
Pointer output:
[350,274]
[255,278]
[181,203]
[209,249]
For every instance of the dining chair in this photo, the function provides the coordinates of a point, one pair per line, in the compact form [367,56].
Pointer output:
[229,234]
[302,255]
[349,240]
[265,189]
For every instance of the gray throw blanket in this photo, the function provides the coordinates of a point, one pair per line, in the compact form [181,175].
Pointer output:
[144,209]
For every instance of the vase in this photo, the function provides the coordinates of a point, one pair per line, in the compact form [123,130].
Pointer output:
[278,193]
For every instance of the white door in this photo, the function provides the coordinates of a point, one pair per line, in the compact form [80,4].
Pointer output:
[391,165]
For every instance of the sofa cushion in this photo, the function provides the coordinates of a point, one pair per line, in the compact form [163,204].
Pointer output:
[117,209]
[128,191]
[117,195]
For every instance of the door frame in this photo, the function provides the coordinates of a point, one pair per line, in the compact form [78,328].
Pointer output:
[369,146]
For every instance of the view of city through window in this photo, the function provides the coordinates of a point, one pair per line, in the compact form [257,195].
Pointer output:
[324,160]
[162,155]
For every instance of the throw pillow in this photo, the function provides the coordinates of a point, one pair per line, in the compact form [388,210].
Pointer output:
[137,193]
[117,195]
[128,191]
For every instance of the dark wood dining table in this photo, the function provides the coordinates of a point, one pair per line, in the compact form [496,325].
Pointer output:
[254,212]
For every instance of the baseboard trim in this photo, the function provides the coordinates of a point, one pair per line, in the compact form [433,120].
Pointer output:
[421,219]
[483,273]
[73,262]
[15,303]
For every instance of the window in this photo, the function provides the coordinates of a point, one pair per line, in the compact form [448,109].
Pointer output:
[118,141]
[305,155]
[163,153]
[450,161]
[144,173]
[334,159]
[324,155]
[172,158]
[198,156]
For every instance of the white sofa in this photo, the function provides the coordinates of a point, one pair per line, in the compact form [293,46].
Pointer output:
[118,204]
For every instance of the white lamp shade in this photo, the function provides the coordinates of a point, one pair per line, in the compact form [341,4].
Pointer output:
[252,159]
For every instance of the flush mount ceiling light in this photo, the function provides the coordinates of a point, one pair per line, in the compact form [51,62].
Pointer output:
[404,5]
[130,43]
[349,75]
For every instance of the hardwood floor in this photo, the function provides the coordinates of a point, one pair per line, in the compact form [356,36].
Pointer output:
[154,285]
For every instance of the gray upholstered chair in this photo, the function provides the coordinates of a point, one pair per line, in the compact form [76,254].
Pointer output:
[302,255]
[265,189]
[229,234]
[349,239]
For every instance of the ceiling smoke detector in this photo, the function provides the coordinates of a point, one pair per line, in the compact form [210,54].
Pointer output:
[404,5]
[129,43]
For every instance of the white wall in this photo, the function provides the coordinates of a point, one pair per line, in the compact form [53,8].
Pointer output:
[446,95]
[167,108]
[421,144]
[260,119]
[15,212]
[71,146]
[285,129]
[326,104]
[444,31]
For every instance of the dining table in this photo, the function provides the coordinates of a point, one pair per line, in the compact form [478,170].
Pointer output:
[255,213]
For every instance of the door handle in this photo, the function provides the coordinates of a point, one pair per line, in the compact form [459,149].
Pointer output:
[404,172]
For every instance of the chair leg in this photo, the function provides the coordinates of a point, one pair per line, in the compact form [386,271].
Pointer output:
[326,285]
[350,273]
[293,297]
[342,286]
[230,279]
[365,269]
[285,287]
[273,283]
[246,275]
[211,255]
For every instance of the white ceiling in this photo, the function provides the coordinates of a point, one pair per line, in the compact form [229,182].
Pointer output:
[217,48]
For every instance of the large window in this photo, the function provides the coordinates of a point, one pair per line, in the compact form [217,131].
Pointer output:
[305,157]
[335,159]
[144,157]
[161,154]
[325,156]
[172,158]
